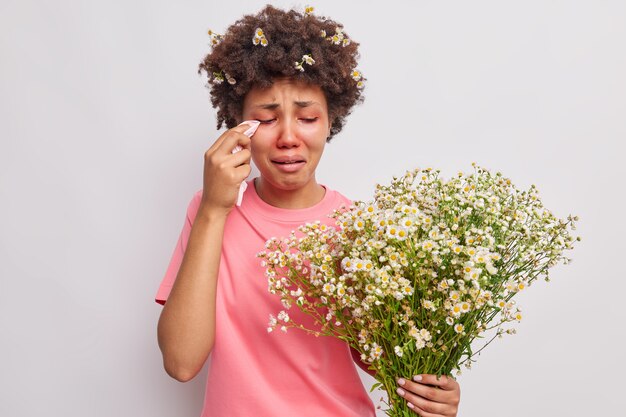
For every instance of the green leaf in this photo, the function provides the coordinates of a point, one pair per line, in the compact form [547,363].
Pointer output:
[376,386]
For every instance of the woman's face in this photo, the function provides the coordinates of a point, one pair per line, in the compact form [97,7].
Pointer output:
[289,142]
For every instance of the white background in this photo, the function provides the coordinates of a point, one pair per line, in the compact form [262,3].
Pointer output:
[103,127]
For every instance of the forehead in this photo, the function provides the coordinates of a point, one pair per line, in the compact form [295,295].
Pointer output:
[286,90]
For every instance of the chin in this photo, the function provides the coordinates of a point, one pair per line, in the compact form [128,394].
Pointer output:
[287,182]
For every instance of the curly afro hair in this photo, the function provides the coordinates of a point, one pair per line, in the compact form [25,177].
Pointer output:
[289,35]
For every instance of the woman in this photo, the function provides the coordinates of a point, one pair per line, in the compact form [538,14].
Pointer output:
[294,74]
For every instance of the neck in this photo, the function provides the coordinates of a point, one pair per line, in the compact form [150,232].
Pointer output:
[300,198]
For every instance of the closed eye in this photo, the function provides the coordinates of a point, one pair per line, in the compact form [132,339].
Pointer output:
[267,121]
[310,120]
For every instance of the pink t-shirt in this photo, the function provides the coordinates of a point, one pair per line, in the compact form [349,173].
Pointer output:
[253,372]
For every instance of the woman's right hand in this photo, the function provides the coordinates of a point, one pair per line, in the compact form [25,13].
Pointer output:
[224,171]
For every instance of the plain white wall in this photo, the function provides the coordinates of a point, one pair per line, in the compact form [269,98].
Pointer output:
[103,126]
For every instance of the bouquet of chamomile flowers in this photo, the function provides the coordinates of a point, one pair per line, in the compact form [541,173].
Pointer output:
[413,278]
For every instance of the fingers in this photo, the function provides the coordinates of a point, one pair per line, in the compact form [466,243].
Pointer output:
[422,405]
[218,164]
[444,382]
[431,393]
[422,413]
[224,171]
[231,168]
[239,158]
[231,138]
[221,153]
[430,396]
[243,171]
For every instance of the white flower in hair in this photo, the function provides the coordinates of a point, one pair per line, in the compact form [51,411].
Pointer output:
[215,38]
[259,37]
[230,79]
[308,59]
[339,38]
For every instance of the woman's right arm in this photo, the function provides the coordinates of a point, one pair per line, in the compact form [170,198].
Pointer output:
[186,328]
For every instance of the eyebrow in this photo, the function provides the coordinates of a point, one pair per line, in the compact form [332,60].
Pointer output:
[272,106]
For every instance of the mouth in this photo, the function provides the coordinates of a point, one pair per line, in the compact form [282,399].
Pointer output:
[288,161]
[289,164]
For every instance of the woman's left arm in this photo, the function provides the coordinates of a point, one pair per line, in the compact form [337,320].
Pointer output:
[429,396]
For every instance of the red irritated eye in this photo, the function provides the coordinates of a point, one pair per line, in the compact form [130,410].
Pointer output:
[306,120]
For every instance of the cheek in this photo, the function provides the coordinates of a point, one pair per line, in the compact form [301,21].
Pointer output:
[316,148]
[259,147]
[314,135]
[266,134]
[261,139]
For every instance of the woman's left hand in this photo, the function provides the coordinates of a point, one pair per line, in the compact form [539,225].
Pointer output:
[429,396]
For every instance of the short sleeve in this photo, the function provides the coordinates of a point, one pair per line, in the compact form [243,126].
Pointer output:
[179,251]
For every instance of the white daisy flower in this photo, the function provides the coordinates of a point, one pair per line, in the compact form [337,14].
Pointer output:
[428,245]
[358,224]
[420,344]
[347,265]
[376,351]
[402,234]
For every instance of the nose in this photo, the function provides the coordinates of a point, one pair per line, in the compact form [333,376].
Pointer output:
[288,137]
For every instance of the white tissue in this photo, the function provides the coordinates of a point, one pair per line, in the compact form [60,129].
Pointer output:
[249,132]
